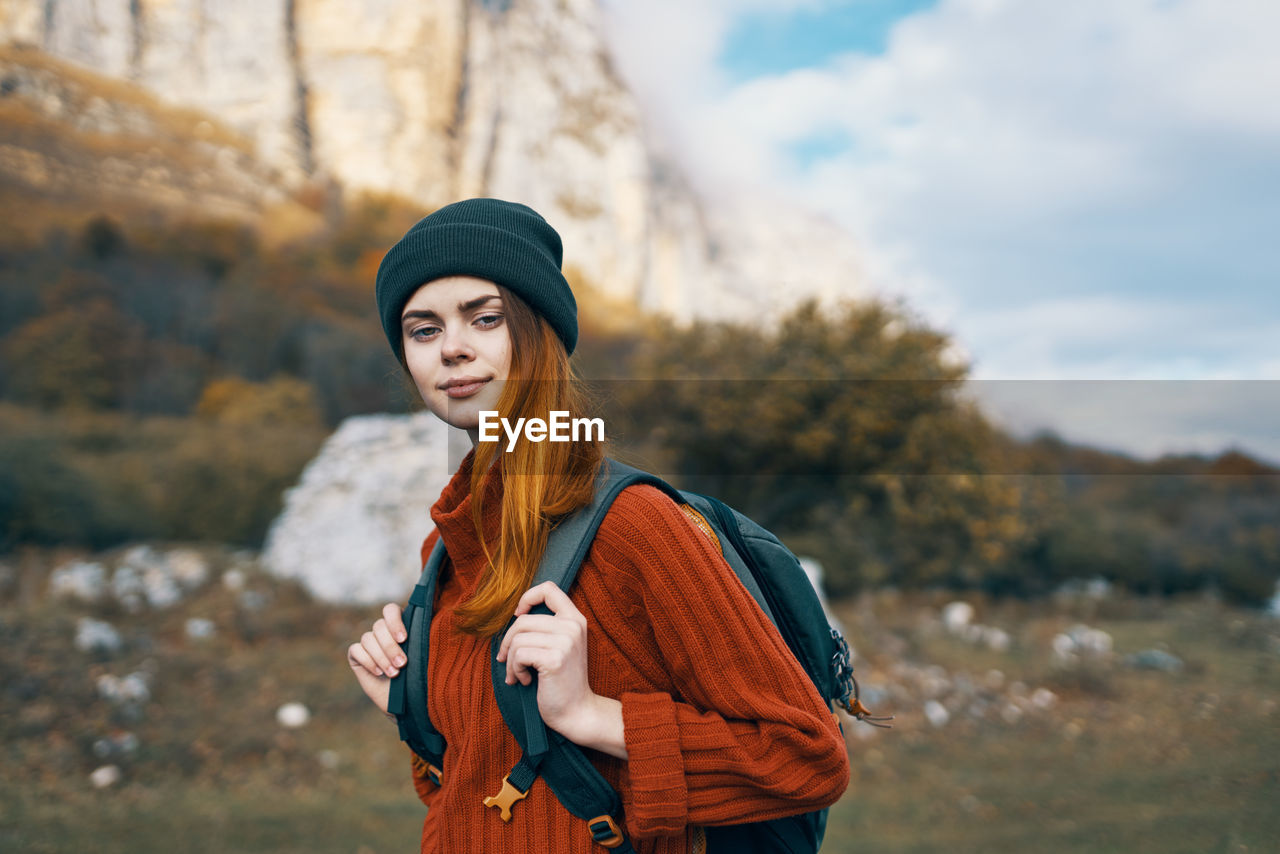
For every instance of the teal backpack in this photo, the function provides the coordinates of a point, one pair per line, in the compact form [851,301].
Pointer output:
[768,570]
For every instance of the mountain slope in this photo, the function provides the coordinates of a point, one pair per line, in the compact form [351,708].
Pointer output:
[435,101]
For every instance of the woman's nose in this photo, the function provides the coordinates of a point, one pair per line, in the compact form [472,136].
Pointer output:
[455,346]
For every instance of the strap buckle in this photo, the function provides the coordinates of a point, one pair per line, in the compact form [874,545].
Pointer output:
[604,830]
[433,773]
[505,799]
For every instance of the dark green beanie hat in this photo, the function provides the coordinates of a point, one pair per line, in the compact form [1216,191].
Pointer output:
[507,243]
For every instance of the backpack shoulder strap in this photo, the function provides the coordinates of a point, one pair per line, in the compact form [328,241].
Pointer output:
[569,541]
[567,546]
[569,773]
[408,697]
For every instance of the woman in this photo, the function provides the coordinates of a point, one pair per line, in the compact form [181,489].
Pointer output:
[657,660]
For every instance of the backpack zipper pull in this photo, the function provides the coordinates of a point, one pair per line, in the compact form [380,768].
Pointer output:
[856,710]
[842,667]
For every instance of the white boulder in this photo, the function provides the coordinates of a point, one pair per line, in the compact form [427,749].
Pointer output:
[352,529]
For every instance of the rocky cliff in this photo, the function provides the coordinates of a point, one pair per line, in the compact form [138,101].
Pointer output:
[73,140]
[451,98]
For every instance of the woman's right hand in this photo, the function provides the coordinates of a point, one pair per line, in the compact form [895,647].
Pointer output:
[377,656]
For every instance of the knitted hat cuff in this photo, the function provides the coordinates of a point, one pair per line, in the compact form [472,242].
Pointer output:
[525,261]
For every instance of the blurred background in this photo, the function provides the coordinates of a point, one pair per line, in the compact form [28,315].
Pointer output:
[973,302]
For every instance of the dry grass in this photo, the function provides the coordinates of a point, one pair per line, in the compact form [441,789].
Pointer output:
[1146,762]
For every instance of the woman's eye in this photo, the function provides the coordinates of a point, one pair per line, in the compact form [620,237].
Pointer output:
[489,319]
[422,333]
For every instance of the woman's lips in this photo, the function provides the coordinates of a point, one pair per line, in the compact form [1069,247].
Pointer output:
[464,390]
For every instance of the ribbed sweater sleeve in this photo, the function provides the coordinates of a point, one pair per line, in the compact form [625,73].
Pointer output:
[741,734]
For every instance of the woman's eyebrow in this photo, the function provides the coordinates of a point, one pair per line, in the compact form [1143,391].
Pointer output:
[477,302]
[463,308]
[419,315]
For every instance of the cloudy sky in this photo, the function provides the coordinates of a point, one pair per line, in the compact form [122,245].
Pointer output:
[1084,191]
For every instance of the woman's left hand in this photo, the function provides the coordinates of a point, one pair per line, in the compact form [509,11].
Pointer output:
[555,645]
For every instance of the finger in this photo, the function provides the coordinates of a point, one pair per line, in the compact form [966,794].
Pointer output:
[395,621]
[553,597]
[528,659]
[371,645]
[376,688]
[526,641]
[390,648]
[535,623]
[359,659]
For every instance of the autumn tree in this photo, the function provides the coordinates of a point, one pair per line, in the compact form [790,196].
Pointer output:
[843,429]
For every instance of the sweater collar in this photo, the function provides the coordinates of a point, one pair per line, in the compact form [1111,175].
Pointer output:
[452,515]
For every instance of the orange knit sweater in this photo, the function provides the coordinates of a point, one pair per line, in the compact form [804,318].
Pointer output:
[721,723]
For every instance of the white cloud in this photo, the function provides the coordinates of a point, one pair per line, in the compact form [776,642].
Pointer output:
[1072,189]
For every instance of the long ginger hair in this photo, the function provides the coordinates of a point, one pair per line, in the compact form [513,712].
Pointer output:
[541,481]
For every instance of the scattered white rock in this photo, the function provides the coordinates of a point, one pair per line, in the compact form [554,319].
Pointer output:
[188,568]
[1091,641]
[934,682]
[997,640]
[956,616]
[329,759]
[162,591]
[84,581]
[107,775]
[134,688]
[1081,641]
[1155,659]
[200,629]
[233,580]
[1097,588]
[128,589]
[293,715]
[936,713]
[1064,648]
[1273,607]
[97,636]
[152,576]
[1010,713]
[116,746]
[1043,698]
[993,680]
[957,619]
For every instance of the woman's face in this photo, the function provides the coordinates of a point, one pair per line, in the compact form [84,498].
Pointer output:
[457,347]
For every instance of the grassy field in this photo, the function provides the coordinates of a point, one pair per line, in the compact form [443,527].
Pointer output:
[1036,754]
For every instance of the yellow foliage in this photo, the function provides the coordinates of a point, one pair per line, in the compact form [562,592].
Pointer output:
[279,401]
